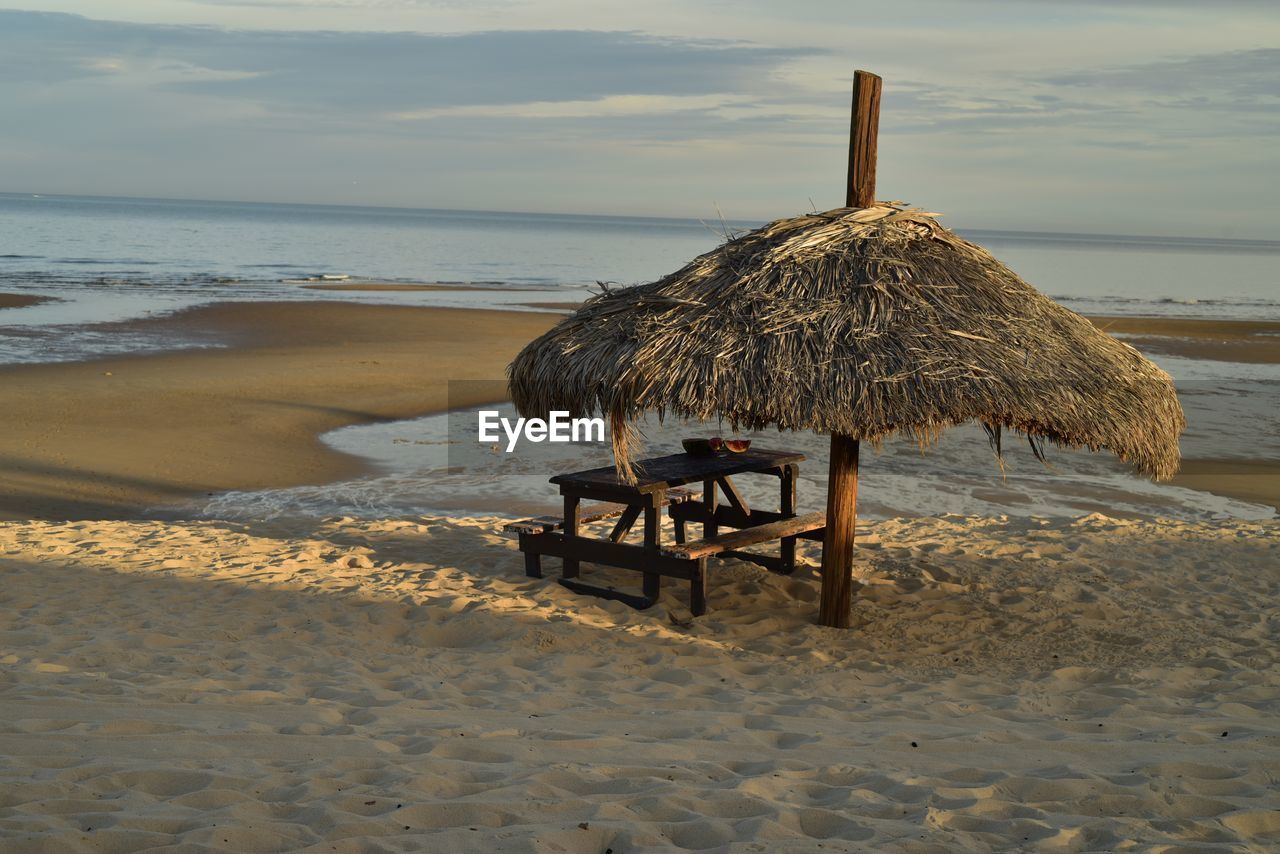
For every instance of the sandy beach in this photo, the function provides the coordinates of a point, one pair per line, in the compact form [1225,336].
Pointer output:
[625,428]
[354,685]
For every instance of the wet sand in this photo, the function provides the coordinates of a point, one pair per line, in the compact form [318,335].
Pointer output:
[1253,342]
[357,287]
[20,300]
[1250,341]
[1257,481]
[565,307]
[109,438]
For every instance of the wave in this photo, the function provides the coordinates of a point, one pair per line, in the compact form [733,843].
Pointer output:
[1072,240]
[1217,308]
[1165,300]
[137,262]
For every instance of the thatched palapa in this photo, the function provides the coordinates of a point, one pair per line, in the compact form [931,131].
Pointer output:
[862,321]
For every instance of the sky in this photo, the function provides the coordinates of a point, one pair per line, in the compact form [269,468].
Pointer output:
[1129,116]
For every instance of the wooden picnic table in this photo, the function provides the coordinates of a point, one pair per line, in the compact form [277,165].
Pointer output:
[661,483]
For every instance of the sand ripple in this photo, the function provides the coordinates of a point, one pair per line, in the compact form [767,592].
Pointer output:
[355,686]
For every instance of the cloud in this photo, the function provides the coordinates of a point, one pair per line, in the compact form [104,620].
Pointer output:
[1154,104]
[1022,102]
[1154,5]
[386,72]
[610,105]
[1243,76]
[352,4]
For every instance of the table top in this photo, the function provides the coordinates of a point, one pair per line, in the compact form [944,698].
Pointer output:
[659,473]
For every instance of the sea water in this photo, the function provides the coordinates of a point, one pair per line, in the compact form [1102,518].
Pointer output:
[112,259]
[115,259]
[125,257]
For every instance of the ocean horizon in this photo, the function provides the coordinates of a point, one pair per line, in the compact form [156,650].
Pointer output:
[63,245]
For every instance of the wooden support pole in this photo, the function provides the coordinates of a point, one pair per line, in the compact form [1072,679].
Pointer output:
[837,546]
[842,479]
[864,128]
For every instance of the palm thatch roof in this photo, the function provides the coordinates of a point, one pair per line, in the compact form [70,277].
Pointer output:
[863,321]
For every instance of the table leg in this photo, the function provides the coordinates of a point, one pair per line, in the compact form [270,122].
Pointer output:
[652,586]
[787,506]
[698,589]
[652,536]
[709,503]
[572,512]
[532,560]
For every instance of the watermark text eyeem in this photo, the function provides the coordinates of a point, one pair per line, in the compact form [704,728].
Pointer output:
[559,427]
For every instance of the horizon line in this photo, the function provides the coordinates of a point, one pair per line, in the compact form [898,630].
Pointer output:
[1113,237]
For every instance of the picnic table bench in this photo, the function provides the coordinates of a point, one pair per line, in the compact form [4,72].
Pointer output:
[662,484]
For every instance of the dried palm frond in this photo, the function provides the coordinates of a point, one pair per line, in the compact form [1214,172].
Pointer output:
[862,321]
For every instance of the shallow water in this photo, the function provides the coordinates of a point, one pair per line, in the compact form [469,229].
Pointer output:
[959,475]
[435,465]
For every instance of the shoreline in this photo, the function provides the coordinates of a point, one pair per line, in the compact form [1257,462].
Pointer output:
[112,437]
[361,285]
[115,437]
